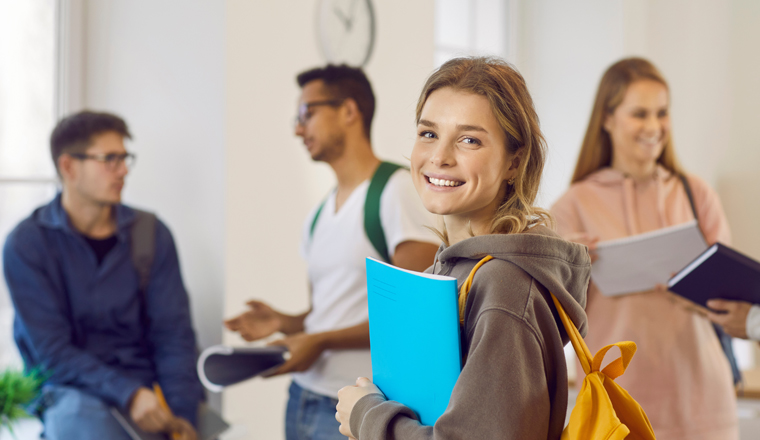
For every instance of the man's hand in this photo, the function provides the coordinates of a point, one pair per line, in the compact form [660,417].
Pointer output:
[734,318]
[586,240]
[304,350]
[347,398]
[146,411]
[183,429]
[261,321]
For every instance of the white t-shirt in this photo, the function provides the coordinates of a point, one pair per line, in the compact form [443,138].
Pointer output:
[753,323]
[336,254]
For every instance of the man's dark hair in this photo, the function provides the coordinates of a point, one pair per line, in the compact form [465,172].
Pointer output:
[74,133]
[343,82]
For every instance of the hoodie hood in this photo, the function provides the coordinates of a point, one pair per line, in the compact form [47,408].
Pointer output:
[613,178]
[564,268]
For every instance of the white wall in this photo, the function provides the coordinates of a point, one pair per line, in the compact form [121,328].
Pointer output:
[563,50]
[161,67]
[271,183]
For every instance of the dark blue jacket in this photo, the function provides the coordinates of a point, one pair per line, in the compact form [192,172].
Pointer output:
[81,323]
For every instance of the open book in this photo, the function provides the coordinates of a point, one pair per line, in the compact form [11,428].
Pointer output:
[639,262]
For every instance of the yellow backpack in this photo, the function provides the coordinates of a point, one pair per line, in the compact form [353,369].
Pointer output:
[603,409]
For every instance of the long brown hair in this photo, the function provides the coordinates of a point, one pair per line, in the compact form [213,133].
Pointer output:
[513,108]
[596,150]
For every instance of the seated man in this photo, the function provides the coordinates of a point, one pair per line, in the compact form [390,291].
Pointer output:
[101,333]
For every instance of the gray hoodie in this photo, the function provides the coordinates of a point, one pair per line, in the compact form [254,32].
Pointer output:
[514,382]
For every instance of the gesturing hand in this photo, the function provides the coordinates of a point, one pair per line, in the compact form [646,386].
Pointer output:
[259,322]
[734,316]
[347,398]
[304,350]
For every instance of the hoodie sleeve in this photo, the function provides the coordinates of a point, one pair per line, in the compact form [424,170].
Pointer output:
[501,393]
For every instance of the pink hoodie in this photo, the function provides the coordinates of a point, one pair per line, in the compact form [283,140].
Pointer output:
[679,375]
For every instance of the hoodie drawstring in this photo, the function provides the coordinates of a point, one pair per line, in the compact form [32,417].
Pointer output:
[629,196]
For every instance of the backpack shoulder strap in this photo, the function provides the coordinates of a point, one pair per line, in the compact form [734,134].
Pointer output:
[373,227]
[689,194]
[143,246]
[316,217]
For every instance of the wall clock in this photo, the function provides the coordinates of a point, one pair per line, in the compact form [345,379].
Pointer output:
[346,31]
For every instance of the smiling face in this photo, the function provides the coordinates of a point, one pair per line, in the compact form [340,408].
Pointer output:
[460,164]
[639,126]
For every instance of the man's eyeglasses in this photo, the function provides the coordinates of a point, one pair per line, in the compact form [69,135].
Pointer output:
[111,160]
[304,110]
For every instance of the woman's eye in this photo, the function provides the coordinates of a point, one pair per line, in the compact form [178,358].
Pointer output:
[471,141]
[662,113]
[427,134]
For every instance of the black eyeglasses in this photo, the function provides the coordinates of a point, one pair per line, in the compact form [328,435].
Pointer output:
[304,110]
[111,160]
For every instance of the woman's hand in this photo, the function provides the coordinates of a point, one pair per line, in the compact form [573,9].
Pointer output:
[734,316]
[680,301]
[587,240]
[347,398]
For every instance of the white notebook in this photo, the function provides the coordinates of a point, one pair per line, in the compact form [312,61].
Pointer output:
[636,263]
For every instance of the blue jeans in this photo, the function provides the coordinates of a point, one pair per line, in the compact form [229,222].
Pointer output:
[311,416]
[74,415]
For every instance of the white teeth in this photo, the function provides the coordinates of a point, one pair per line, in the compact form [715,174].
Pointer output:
[442,182]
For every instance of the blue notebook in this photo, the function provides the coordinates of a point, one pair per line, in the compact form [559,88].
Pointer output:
[414,337]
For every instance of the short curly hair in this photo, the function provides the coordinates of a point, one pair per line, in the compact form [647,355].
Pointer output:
[342,82]
[74,133]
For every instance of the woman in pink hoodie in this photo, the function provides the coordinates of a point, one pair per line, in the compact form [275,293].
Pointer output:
[627,181]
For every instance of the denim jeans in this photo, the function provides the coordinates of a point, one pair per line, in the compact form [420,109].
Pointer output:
[72,414]
[311,416]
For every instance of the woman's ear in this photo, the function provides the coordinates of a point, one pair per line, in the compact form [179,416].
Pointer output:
[516,160]
[607,123]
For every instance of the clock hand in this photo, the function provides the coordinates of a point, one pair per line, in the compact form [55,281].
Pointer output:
[346,22]
[351,13]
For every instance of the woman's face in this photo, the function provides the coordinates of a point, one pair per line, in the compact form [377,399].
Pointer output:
[459,162]
[640,125]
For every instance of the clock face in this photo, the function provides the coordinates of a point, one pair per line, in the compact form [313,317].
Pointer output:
[346,31]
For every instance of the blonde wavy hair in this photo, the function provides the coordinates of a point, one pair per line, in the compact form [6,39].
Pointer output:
[513,108]
[596,150]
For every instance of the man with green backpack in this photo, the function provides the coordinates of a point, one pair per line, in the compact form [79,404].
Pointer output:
[373,211]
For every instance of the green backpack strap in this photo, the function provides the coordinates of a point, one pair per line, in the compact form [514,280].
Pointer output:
[372,224]
[316,217]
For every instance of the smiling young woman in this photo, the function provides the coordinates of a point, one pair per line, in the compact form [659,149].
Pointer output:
[477,161]
[627,181]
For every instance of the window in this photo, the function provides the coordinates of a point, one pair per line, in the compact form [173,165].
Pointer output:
[27,115]
[475,27]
